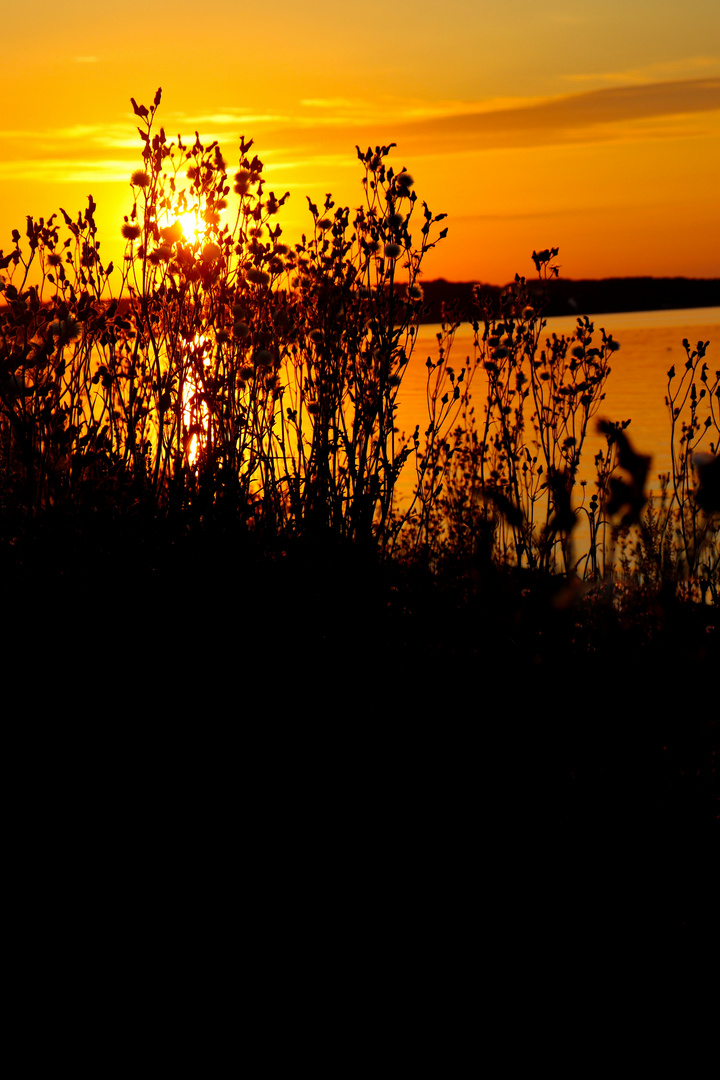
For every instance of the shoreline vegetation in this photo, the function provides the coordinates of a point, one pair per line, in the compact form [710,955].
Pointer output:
[198,470]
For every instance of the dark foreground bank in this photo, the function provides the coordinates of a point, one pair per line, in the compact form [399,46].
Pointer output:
[560,742]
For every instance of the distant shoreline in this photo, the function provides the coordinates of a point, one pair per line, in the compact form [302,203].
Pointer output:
[583,297]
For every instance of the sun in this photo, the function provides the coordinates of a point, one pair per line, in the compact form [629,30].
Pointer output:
[192,226]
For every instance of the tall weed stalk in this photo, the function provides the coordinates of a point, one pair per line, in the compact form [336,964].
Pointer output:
[218,369]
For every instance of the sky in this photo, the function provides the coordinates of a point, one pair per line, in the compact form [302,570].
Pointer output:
[588,125]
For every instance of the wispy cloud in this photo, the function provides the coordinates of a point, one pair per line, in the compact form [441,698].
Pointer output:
[687,67]
[65,171]
[226,118]
[335,103]
[651,110]
[592,116]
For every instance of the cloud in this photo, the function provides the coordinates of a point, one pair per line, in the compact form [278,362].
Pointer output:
[230,117]
[656,110]
[65,171]
[649,73]
[592,116]
[334,103]
[565,117]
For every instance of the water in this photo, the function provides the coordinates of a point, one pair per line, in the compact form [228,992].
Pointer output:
[650,343]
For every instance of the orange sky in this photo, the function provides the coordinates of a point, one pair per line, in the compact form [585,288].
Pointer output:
[585,125]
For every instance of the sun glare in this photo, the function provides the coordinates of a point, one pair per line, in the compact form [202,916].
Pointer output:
[193,229]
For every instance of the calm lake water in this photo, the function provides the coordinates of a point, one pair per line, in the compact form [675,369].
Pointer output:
[650,343]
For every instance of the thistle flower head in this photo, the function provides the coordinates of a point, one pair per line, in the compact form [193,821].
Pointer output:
[257,276]
[211,252]
[65,329]
[242,182]
[140,179]
[172,234]
[392,251]
[403,184]
[130,231]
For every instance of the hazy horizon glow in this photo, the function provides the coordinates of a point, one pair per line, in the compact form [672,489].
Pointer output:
[591,127]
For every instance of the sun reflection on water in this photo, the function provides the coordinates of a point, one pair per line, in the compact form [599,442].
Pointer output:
[196,415]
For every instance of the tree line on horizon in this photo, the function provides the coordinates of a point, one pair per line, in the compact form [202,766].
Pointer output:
[565,296]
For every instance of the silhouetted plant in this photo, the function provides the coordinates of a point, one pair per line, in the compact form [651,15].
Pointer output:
[538,404]
[228,371]
[219,371]
[691,526]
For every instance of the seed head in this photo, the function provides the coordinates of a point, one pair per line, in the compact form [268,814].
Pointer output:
[140,179]
[211,252]
[65,329]
[129,231]
[403,184]
[242,182]
[257,276]
[172,234]
[392,251]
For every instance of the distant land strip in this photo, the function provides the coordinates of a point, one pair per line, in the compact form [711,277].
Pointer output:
[562,296]
[586,297]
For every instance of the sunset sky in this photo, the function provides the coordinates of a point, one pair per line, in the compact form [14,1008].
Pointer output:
[589,125]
